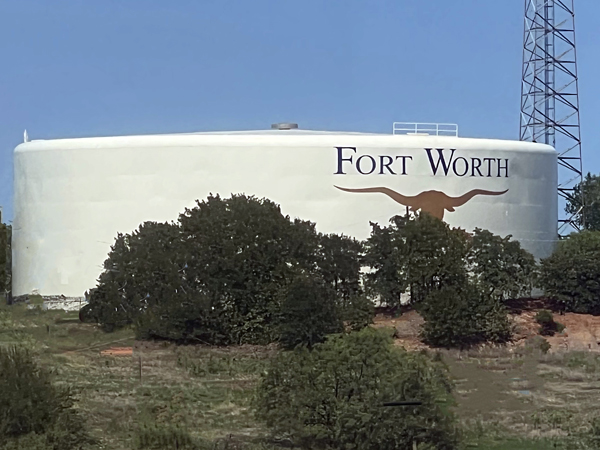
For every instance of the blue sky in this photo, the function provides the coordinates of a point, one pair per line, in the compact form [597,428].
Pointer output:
[82,68]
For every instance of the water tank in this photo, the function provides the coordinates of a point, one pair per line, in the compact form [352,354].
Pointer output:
[72,196]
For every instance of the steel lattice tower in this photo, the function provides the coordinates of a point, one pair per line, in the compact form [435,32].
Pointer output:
[549,92]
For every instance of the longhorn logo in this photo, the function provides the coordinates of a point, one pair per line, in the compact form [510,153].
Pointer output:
[432,202]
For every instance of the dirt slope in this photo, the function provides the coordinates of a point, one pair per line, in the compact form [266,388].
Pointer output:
[582,331]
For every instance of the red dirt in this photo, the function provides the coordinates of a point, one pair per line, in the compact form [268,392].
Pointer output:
[407,328]
[582,331]
[117,351]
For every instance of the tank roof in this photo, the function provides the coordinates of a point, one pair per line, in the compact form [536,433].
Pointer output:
[272,132]
[283,138]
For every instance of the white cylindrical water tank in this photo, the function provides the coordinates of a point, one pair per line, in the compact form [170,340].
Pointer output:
[73,196]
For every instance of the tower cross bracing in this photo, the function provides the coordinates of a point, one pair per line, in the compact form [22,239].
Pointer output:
[549,92]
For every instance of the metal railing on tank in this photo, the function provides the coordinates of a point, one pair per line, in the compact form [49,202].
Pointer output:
[425,129]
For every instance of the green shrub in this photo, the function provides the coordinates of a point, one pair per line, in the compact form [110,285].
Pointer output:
[33,412]
[460,316]
[308,314]
[545,346]
[571,275]
[500,267]
[548,327]
[333,396]
[534,345]
[358,312]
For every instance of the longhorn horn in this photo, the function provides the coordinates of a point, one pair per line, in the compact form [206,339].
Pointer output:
[458,201]
[396,196]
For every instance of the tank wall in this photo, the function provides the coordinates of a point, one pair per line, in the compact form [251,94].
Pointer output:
[71,202]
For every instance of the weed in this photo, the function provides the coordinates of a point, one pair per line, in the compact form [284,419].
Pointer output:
[155,437]
[534,346]
[211,363]
[548,327]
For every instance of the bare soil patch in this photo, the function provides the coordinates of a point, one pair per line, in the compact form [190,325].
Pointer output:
[117,351]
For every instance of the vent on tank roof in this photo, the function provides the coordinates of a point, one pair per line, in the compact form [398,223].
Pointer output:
[284,126]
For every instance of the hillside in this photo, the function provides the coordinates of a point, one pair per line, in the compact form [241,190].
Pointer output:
[581,333]
[512,397]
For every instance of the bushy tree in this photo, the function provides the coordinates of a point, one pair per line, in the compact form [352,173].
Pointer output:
[358,312]
[144,269]
[340,259]
[242,252]
[584,203]
[333,396]
[214,276]
[462,316]
[309,313]
[415,255]
[386,280]
[219,274]
[435,256]
[455,279]
[34,413]
[195,320]
[571,275]
[422,254]
[499,266]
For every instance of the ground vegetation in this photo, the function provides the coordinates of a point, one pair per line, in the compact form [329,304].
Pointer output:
[333,396]
[571,275]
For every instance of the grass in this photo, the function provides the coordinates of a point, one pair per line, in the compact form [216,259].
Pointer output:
[201,397]
[520,444]
[205,391]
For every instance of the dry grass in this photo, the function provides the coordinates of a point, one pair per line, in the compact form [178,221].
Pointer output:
[174,389]
[505,398]
[528,394]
